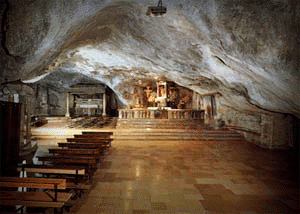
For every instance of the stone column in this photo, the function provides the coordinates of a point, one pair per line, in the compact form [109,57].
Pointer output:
[68,100]
[104,105]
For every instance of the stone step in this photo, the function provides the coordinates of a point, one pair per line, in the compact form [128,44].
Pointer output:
[160,124]
[116,135]
[177,138]
[165,127]
[56,119]
[159,121]
[204,133]
[170,132]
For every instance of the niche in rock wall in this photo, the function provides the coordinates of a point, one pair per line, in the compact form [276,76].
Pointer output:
[151,93]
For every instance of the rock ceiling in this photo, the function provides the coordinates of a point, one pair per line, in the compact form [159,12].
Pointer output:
[247,50]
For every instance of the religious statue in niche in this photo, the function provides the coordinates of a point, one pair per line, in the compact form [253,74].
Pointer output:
[151,100]
[161,91]
[172,97]
[150,96]
[172,94]
[140,97]
[185,100]
[161,98]
[148,91]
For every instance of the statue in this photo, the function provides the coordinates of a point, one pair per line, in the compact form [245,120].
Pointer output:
[148,91]
[151,99]
[140,98]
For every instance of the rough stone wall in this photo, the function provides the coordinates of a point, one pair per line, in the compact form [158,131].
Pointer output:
[282,130]
[58,109]
[49,102]
[268,130]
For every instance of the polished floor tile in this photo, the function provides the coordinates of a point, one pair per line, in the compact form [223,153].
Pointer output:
[194,177]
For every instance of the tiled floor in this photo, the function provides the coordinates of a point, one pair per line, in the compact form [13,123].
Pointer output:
[194,177]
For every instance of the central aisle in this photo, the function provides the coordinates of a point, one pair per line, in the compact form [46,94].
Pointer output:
[193,177]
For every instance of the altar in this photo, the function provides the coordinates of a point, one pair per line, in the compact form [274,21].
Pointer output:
[160,99]
[179,114]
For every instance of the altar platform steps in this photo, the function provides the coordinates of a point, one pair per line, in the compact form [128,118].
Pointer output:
[176,135]
[171,130]
[61,119]
[160,124]
[174,130]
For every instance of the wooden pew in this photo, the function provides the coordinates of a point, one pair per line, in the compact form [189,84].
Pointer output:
[90,140]
[80,152]
[103,133]
[83,145]
[34,199]
[60,170]
[76,171]
[71,159]
[46,183]
[71,170]
[92,136]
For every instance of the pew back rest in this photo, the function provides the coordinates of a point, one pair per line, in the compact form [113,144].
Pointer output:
[76,151]
[43,183]
[93,136]
[96,133]
[91,140]
[83,145]
[66,170]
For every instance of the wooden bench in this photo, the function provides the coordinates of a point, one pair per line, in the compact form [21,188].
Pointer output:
[106,142]
[78,170]
[83,145]
[71,159]
[46,183]
[97,133]
[61,170]
[89,140]
[34,199]
[80,152]
[93,136]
